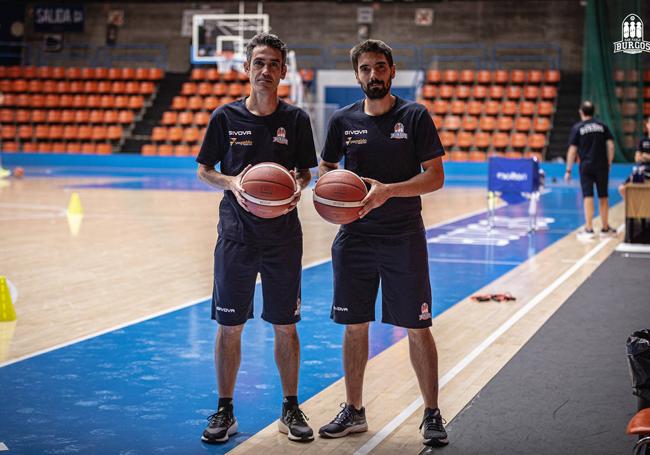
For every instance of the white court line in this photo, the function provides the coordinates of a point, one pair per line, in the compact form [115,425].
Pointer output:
[3,447]
[451,374]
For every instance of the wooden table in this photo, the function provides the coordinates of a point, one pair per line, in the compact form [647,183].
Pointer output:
[637,207]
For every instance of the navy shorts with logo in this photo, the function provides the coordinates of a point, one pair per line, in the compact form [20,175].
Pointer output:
[236,266]
[401,264]
[600,178]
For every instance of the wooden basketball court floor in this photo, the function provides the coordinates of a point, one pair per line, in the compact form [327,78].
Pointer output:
[112,349]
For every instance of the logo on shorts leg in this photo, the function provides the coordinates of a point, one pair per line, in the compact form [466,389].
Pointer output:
[225,310]
[424,312]
[339,308]
[297,312]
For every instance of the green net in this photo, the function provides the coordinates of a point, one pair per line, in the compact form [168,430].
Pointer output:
[614,81]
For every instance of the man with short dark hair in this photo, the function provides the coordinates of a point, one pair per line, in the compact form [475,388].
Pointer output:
[240,134]
[394,146]
[593,142]
[641,158]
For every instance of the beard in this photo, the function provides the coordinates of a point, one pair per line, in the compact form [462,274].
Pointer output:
[377,91]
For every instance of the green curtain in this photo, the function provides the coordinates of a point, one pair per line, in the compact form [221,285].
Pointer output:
[614,81]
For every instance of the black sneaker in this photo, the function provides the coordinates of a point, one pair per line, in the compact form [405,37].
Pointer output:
[293,422]
[609,232]
[349,420]
[432,428]
[222,424]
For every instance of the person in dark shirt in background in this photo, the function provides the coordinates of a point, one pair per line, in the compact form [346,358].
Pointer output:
[641,158]
[593,142]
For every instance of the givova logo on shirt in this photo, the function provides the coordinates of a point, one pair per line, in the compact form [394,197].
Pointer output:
[349,137]
[236,137]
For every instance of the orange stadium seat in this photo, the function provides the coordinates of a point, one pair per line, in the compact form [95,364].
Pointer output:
[549,92]
[136,102]
[469,123]
[175,134]
[197,74]
[191,135]
[517,77]
[132,88]
[165,150]
[210,103]
[440,107]
[463,92]
[81,116]
[500,140]
[156,74]
[51,86]
[159,134]
[179,103]
[29,72]
[545,109]
[149,150]
[104,149]
[14,72]
[185,118]
[541,124]
[482,140]
[451,123]
[448,139]
[101,73]
[110,116]
[212,74]
[121,102]
[205,88]
[474,108]
[42,132]
[38,116]
[551,76]
[188,88]
[127,74]
[496,92]
[87,73]
[484,77]
[509,107]
[55,132]
[84,132]
[230,76]
[58,72]
[114,133]
[446,91]
[500,77]
[450,76]
[487,123]
[235,90]
[531,92]
[35,86]
[220,89]
[44,147]
[88,148]
[72,72]
[477,156]
[523,124]
[467,77]
[23,116]
[125,117]
[54,116]
[513,92]
[96,116]
[534,77]
[457,107]
[7,116]
[44,72]
[195,149]
[429,91]
[72,147]
[195,103]
[434,76]
[492,107]
[513,154]
[201,118]
[437,120]
[464,140]
[182,150]
[29,147]
[169,118]
[70,132]
[504,123]
[458,155]
[10,146]
[527,108]
[58,147]
[518,141]
[537,141]
[8,132]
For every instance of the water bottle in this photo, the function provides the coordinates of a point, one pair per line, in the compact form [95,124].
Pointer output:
[636,175]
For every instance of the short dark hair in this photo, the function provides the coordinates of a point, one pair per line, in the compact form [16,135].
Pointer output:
[266,39]
[370,45]
[587,108]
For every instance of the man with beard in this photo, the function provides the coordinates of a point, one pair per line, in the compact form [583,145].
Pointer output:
[394,146]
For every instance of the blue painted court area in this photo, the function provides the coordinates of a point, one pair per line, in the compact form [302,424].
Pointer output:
[149,387]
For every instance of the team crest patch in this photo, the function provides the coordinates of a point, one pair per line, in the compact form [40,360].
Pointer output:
[297,312]
[281,136]
[424,312]
[399,132]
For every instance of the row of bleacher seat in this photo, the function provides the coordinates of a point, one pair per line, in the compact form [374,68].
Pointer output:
[494,92]
[478,156]
[176,134]
[66,116]
[489,124]
[498,77]
[88,87]
[55,132]
[90,148]
[490,107]
[498,141]
[81,73]
[234,89]
[214,75]
[38,101]
[170,150]
[625,76]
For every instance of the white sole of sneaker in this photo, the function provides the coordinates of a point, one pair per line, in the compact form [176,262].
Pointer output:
[285,430]
[232,430]
[356,429]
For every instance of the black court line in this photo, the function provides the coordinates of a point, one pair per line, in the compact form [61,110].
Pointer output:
[568,390]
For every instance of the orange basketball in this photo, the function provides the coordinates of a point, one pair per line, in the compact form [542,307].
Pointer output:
[19,172]
[338,195]
[268,189]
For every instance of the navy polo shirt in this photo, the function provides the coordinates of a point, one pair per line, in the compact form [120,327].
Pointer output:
[591,136]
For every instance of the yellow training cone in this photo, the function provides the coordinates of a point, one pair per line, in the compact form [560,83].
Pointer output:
[7,330]
[74,223]
[7,312]
[74,206]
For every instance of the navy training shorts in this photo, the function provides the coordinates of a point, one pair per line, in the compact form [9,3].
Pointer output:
[401,263]
[600,178]
[236,266]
